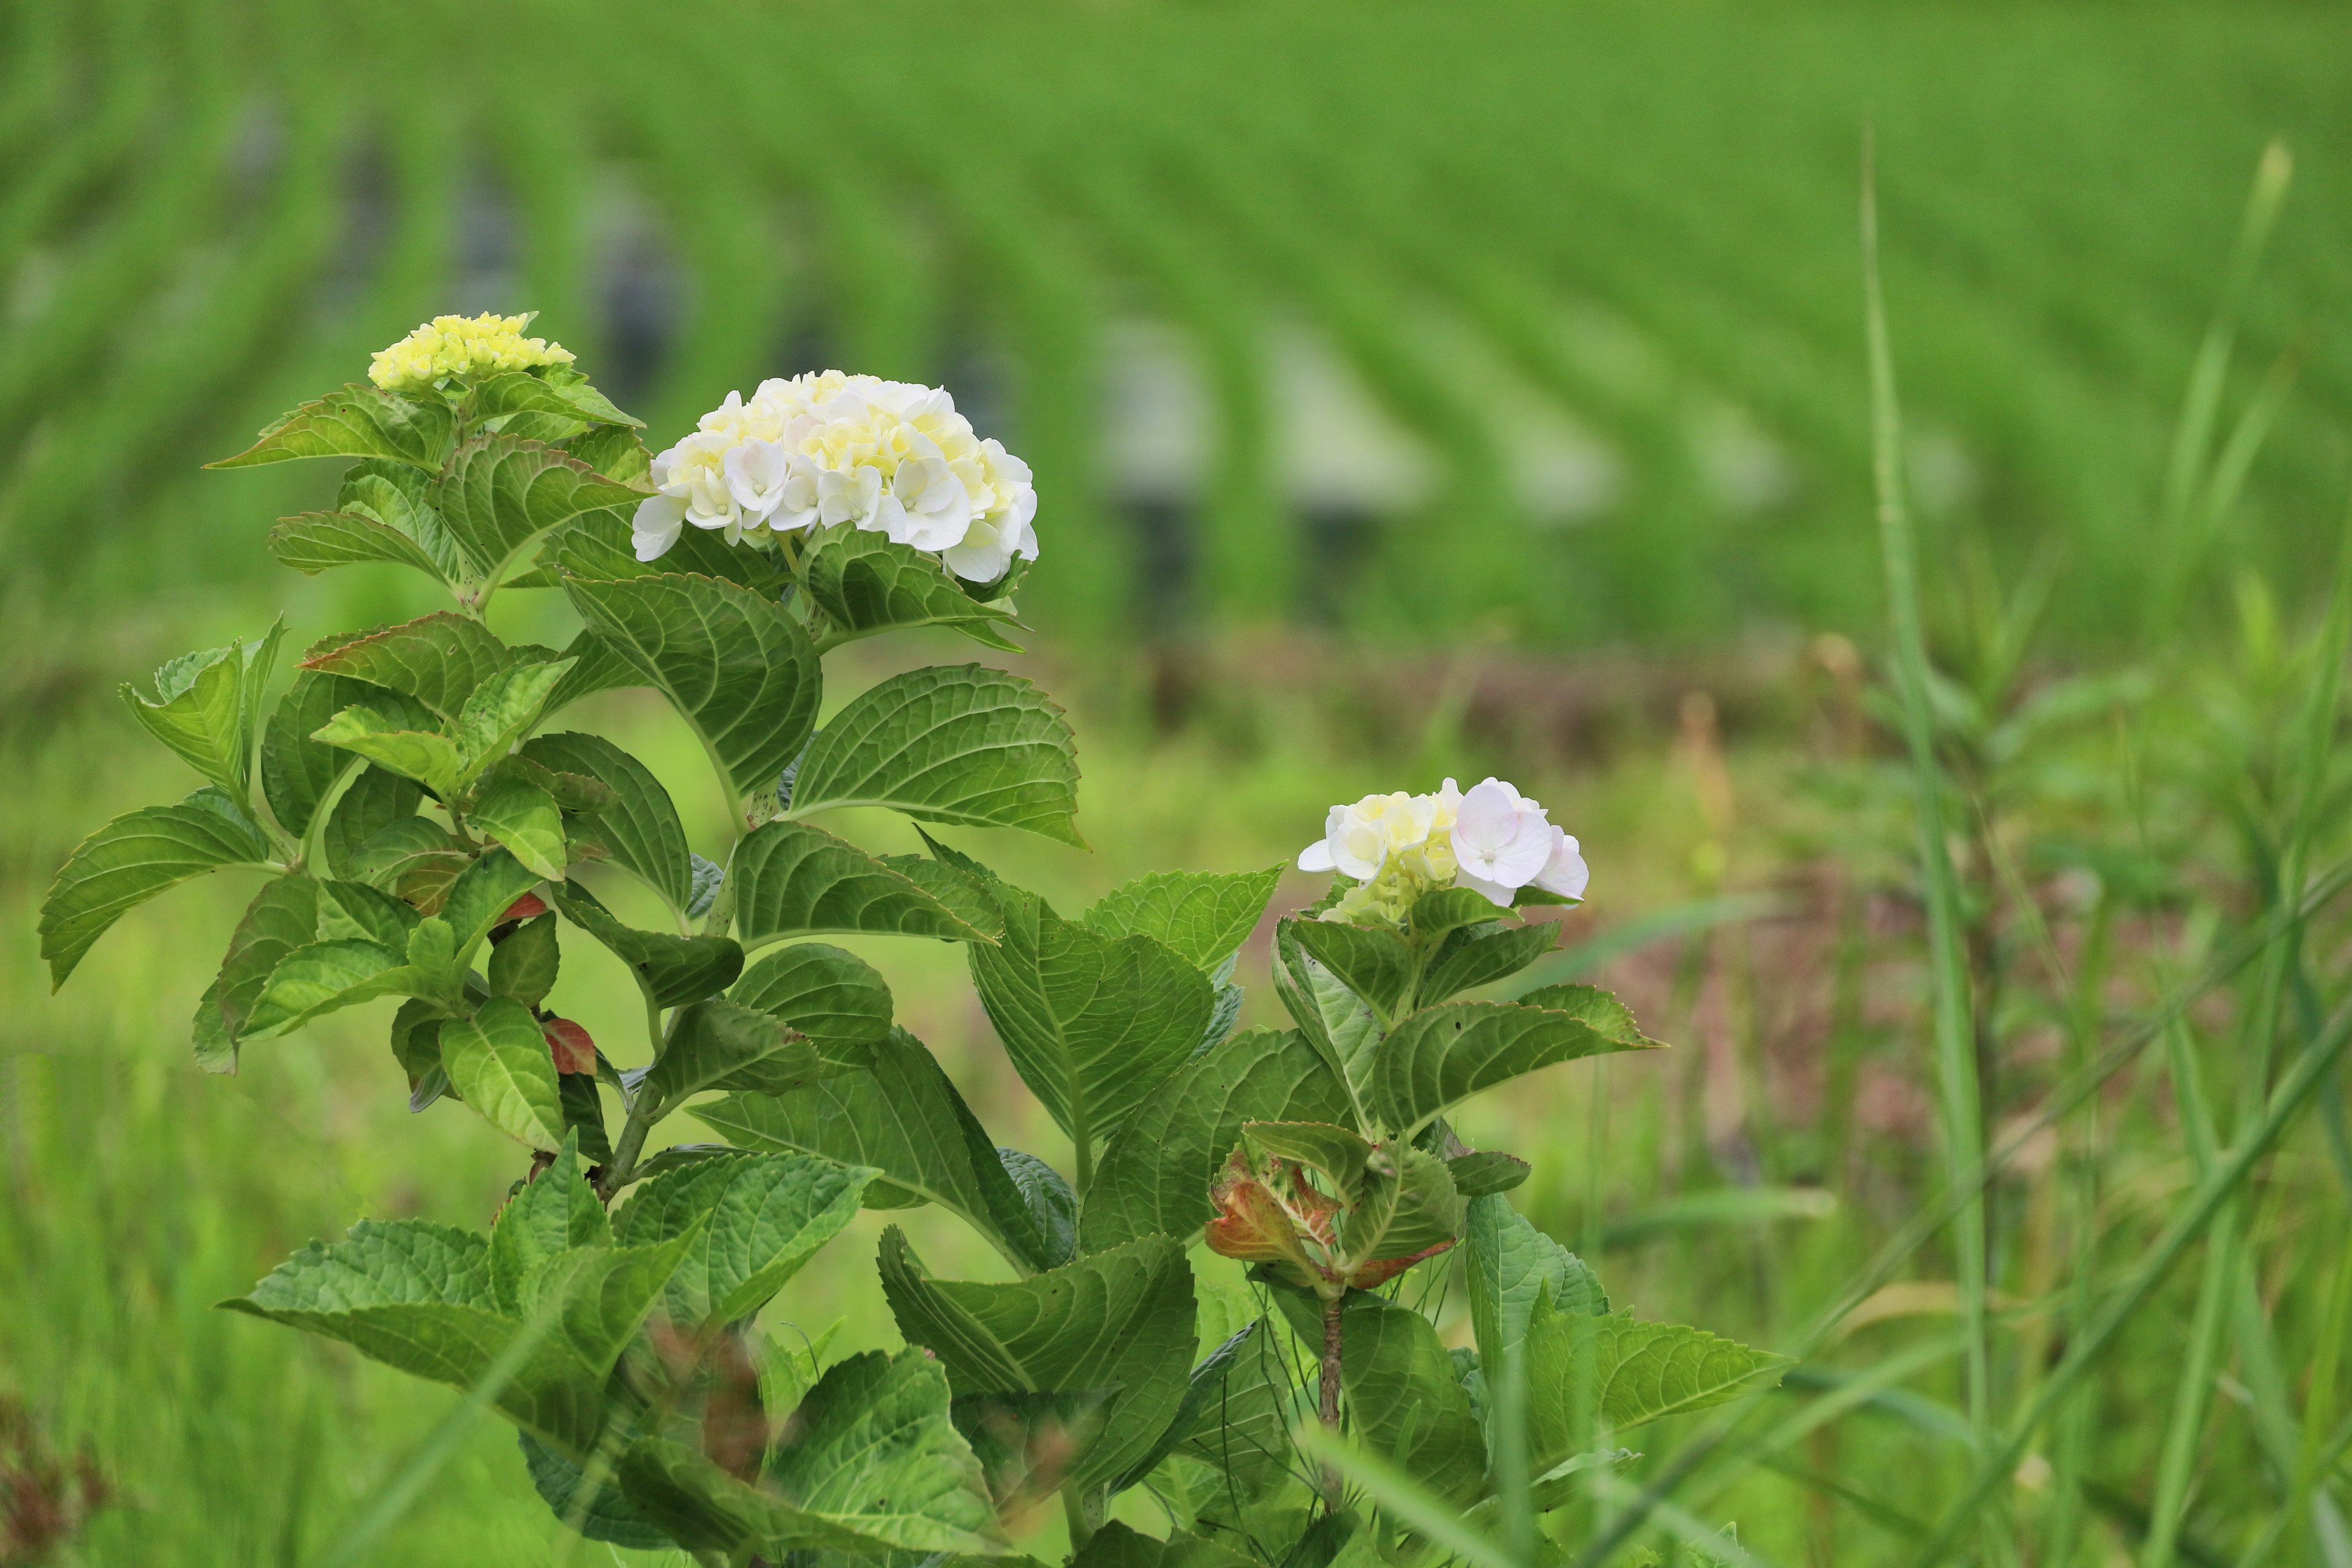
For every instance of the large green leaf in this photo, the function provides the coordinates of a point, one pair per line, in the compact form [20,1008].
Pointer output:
[325,977]
[1334,1019]
[554,389]
[738,668]
[1154,1176]
[594,668]
[865,583]
[1244,1430]
[903,1118]
[401,498]
[439,659]
[417,1296]
[1467,961]
[1204,916]
[607,1517]
[499,1063]
[282,917]
[615,451]
[1510,1266]
[312,541]
[1629,1373]
[835,998]
[598,546]
[373,831]
[1441,1055]
[1405,1402]
[792,879]
[132,858]
[359,421]
[675,970]
[754,1219]
[428,756]
[639,828]
[715,1044]
[524,818]
[955,744]
[500,496]
[1092,1024]
[870,1464]
[1205,1385]
[1376,966]
[1117,1320]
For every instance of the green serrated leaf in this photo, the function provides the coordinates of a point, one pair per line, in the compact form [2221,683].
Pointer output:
[297,772]
[1207,1382]
[1405,1402]
[524,965]
[377,802]
[1122,1319]
[199,712]
[312,541]
[1336,1153]
[323,977]
[607,1517]
[865,583]
[639,827]
[1450,910]
[481,896]
[553,390]
[613,451]
[501,710]
[1466,962]
[599,547]
[1154,1177]
[595,668]
[1630,1374]
[1204,916]
[1441,1055]
[136,857]
[1116,1545]
[675,970]
[736,668]
[524,818]
[349,909]
[1510,1266]
[870,1464]
[282,917]
[792,879]
[498,1062]
[555,1211]
[1053,1207]
[955,744]
[438,659]
[401,498]
[428,756]
[501,496]
[1334,1019]
[716,1045]
[359,421]
[417,1047]
[1376,966]
[835,998]
[1405,1207]
[1483,1173]
[904,1118]
[755,1219]
[1092,1025]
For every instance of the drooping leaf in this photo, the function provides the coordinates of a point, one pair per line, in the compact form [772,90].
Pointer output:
[865,583]
[1026,1442]
[417,1047]
[1154,1177]
[1204,916]
[498,1062]
[953,744]
[311,542]
[904,1118]
[199,711]
[439,659]
[760,1218]
[716,1045]
[136,857]
[639,828]
[736,667]
[1482,1172]
[1093,1024]
[1375,964]
[1630,1374]
[674,969]
[835,998]
[1467,961]
[1509,1266]
[500,496]
[524,818]
[524,965]
[792,879]
[1441,1055]
[870,1464]
[555,1211]
[282,917]
[359,421]
[1122,1319]
[1053,1207]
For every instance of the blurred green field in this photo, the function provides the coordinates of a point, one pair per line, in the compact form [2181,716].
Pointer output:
[1593,268]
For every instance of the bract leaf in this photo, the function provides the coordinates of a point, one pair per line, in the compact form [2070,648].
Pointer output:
[792,879]
[755,1220]
[736,667]
[955,744]
[1122,1319]
[132,858]
[639,828]
[1092,1025]
[359,421]
[1154,1176]
[499,1063]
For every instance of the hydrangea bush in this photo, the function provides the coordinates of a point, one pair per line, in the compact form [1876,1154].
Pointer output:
[424,832]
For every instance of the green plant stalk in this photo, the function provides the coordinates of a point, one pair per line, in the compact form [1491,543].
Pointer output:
[2204,1203]
[1956,1061]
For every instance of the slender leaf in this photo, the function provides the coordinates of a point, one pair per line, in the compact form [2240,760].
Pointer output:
[359,421]
[136,857]
[792,879]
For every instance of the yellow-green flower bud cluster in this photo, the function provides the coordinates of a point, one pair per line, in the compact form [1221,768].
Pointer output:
[462,348]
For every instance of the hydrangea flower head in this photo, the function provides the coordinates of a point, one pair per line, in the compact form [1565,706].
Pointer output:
[464,348]
[1397,846]
[889,457]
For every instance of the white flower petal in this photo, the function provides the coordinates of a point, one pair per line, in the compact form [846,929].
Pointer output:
[1317,857]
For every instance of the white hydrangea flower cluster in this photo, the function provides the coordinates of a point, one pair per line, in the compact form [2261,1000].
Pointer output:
[1397,846]
[821,449]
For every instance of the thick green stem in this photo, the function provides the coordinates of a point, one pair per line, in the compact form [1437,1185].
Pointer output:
[1080,1510]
